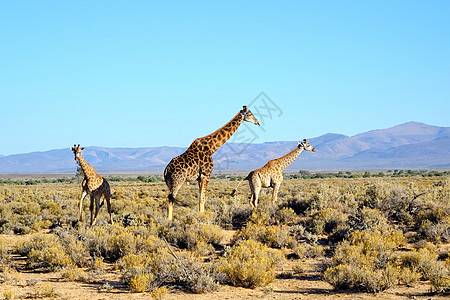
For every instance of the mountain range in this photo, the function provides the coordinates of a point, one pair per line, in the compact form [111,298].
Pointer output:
[411,145]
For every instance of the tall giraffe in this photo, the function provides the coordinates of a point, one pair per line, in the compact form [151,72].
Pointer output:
[94,185]
[270,175]
[197,164]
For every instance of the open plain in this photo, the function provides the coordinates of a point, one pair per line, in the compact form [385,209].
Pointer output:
[353,236]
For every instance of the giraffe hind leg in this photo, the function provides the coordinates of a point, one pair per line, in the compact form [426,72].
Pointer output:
[80,205]
[255,187]
[108,205]
[97,208]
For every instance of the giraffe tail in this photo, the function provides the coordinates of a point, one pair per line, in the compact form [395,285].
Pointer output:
[239,183]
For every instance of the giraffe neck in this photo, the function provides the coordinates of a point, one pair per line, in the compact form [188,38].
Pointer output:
[221,135]
[289,158]
[88,170]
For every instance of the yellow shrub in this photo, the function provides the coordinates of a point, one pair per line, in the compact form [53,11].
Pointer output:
[140,282]
[425,261]
[250,264]
[159,293]
[131,260]
[44,251]
[273,236]
[73,273]
[441,283]
[49,258]
[366,262]
[46,290]
[44,224]
[9,294]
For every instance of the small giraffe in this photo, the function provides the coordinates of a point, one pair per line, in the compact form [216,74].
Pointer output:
[94,185]
[197,164]
[270,175]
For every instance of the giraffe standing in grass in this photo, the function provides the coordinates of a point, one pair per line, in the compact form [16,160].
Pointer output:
[94,185]
[197,164]
[270,175]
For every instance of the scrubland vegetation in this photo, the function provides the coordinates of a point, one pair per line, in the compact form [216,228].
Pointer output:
[367,232]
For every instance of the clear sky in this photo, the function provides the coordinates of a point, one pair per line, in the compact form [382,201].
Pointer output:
[154,73]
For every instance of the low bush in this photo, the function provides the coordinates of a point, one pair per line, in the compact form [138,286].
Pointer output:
[250,264]
[74,273]
[272,236]
[151,271]
[44,251]
[365,262]
[425,261]
[4,255]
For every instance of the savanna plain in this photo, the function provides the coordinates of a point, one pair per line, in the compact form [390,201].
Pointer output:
[329,236]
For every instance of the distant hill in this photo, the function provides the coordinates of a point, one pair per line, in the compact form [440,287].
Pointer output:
[408,146]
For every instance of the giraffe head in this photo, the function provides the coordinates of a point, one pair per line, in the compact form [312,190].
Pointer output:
[248,116]
[306,146]
[77,151]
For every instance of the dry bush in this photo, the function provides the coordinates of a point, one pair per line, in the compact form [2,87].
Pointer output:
[4,256]
[250,264]
[44,251]
[75,248]
[167,268]
[365,262]
[189,231]
[425,262]
[74,273]
[109,242]
[258,229]
[272,236]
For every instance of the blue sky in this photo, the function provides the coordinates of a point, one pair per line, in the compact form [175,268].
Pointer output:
[153,73]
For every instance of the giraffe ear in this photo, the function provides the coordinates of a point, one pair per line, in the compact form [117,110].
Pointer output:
[82,148]
[71,148]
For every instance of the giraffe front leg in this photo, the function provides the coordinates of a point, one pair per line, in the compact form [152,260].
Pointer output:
[170,200]
[91,208]
[255,186]
[276,188]
[202,185]
[80,205]
[108,204]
